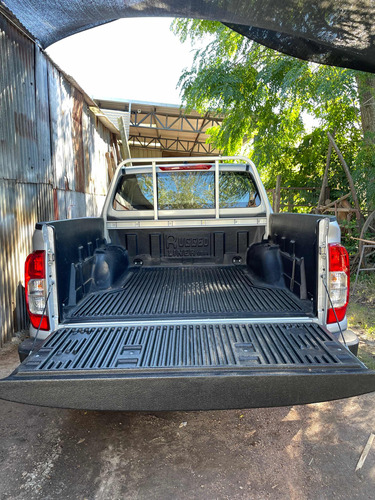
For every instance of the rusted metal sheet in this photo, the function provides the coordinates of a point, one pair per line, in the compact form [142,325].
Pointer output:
[45,172]
[52,160]
[79,167]
[21,206]
[57,145]
[18,139]
[61,129]
[97,142]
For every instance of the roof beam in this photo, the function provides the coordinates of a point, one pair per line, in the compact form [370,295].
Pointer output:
[169,144]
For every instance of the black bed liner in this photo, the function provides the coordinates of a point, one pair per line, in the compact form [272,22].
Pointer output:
[178,346]
[219,291]
[187,367]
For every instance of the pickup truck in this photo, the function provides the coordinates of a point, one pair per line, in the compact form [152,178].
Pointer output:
[188,293]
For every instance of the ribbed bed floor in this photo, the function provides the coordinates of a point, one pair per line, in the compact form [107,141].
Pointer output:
[154,292]
[175,346]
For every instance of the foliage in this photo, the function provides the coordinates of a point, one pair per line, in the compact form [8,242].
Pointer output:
[361,317]
[364,292]
[349,231]
[366,354]
[364,176]
[265,98]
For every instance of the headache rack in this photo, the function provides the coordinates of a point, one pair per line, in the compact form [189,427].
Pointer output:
[189,164]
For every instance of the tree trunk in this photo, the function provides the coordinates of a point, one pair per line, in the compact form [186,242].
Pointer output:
[322,196]
[350,180]
[278,194]
[366,91]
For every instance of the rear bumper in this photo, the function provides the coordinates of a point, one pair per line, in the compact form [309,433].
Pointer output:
[351,341]
[173,391]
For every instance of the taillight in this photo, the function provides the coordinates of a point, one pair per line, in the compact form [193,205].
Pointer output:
[338,281]
[35,289]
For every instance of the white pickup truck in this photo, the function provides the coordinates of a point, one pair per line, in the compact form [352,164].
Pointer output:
[187,294]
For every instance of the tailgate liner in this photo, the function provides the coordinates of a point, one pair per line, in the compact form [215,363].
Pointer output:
[190,291]
[188,346]
[187,367]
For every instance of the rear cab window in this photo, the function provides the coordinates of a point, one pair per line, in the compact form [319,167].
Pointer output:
[185,190]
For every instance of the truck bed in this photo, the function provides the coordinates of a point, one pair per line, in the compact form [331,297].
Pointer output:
[189,291]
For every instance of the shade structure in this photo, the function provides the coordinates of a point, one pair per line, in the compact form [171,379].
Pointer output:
[335,32]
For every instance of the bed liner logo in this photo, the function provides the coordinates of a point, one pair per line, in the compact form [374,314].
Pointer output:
[188,245]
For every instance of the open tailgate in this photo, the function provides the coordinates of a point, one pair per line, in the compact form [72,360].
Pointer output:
[192,366]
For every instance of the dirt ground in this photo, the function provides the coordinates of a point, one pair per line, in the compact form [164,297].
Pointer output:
[306,452]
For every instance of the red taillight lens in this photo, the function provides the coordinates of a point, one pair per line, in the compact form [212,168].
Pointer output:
[338,281]
[35,289]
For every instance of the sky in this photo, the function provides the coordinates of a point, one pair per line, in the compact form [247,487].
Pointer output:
[137,59]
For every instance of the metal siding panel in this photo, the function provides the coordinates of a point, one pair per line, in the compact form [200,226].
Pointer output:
[61,203]
[5,267]
[77,138]
[45,173]
[44,202]
[97,142]
[22,205]
[57,143]
[66,131]
[6,152]
[91,148]
[81,204]
[41,149]
[75,204]
[86,140]
[19,148]
[24,110]
[94,204]
[18,164]
[100,167]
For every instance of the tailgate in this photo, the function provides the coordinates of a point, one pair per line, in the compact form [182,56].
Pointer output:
[187,367]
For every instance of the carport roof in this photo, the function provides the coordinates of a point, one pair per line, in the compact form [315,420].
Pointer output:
[166,127]
[337,32]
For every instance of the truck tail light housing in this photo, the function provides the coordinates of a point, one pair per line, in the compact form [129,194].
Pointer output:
[35,289]
[338,281]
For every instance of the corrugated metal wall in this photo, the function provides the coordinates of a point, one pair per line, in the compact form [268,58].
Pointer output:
[52,160]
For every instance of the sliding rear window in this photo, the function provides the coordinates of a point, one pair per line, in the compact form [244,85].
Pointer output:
[184,190]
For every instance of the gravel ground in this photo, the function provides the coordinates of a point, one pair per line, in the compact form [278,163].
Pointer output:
[301,452]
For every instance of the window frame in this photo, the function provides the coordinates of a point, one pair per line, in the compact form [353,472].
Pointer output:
[154,169]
